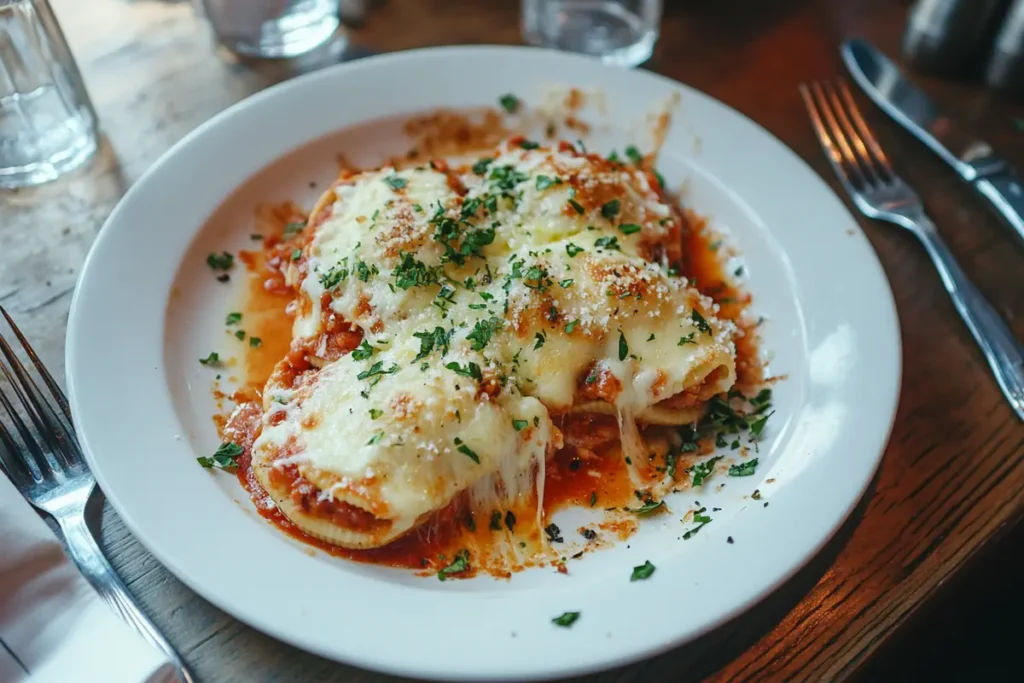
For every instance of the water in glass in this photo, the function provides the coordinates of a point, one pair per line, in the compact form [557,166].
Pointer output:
[47,123]
[271,28]
[618,31]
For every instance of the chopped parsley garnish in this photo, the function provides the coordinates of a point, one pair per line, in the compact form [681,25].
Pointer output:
[510,520]
[572,249]
[255,342]
[593,498]
[571,326]
[565,283]
[610,209]
[699,322]
[608,242]
[520,425]
[333,277]
[757,426]
[482,333]
[649,507]
[566,619]
[577,207]
[233,319]
[458,565]
[744,469]
[255,237]
[495,521]
[445,298]
[686,339]
[623,346]
[448,232]
[509,103]
[589,534]
[762,400]
[467,451]
[377,370]
[541,337]
[651,338]
[528,144]
[507,177]
[634,155]
[364,271]
[438,339]
[480,167]
[223,458]
[629,228]
[363,351]
[701,520]
[554,533]
[375,413]
[377,436]
[642,572]
[471,370]
[395,182]
[212,360]
[670,465]
[703,470]
[223,277]
[293,228]
[411,272]
[221,261]
[545,181]
[296,254]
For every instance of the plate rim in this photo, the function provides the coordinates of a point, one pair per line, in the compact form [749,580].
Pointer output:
[281,89]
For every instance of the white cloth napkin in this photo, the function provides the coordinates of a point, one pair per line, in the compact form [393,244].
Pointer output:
[54,628]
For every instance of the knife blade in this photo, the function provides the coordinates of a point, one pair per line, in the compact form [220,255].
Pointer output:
[972,158]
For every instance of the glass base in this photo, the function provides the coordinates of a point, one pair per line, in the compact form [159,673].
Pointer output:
[276,41]
[46,171]
[599,28]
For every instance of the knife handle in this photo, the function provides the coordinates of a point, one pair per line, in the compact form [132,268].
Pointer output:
[1005,191]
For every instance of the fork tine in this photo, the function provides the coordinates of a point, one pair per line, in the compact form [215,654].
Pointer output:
[39,411]
[38,459]
[837,134]
[862,127]
[828,145]
[872,168]
[17,468]
[874,171]
[51,384]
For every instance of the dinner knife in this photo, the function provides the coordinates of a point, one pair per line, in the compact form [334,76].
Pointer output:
[973,159]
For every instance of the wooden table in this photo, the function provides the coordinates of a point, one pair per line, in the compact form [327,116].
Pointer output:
[952,479]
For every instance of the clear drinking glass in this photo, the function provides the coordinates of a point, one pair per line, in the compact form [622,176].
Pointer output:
[47,123]
[271,28]
[620,32]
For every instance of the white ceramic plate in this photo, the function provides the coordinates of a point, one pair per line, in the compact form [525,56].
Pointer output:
[147,308]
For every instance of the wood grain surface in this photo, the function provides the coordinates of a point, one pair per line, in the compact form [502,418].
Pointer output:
[951,482]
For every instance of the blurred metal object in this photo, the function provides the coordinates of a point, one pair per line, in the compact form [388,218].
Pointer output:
[951,37]
[1005,69]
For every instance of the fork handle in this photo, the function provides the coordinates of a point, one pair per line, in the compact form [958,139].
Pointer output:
[93,564]
[1004,353]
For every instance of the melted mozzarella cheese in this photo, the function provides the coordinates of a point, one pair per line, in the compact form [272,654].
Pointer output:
[402,444]
[525,274]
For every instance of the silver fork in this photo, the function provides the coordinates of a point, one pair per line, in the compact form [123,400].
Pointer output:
[864,170]
[43,460]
